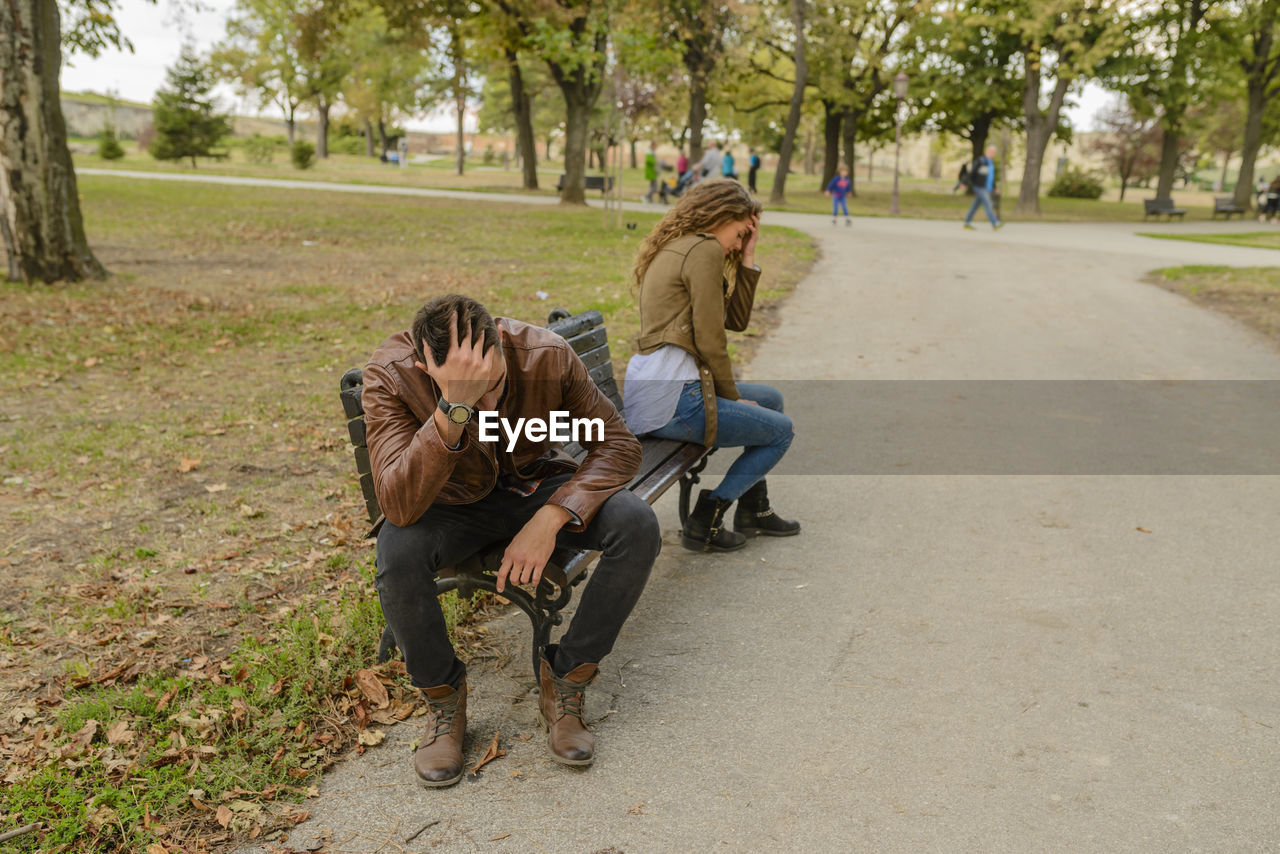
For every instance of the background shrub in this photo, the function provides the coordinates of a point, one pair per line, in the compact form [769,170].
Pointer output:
[303,154]
[1076,184]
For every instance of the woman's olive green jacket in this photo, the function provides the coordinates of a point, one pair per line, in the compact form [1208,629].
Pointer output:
[687,300]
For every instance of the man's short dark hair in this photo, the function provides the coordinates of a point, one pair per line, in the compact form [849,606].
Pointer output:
[430,330]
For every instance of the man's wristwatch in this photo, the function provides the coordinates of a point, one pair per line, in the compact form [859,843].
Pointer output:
[457,413]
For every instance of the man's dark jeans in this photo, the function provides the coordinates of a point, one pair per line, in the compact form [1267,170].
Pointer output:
[624,530]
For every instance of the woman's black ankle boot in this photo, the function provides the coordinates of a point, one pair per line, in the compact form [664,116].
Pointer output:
[704,530]
[754,516]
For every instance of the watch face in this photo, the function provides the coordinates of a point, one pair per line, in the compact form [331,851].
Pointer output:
[460,414]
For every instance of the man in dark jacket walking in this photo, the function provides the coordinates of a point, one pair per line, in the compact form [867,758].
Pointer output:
[983,179]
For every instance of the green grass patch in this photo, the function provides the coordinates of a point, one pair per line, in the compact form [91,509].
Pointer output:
[215,751]
[1252,239]
[1251,295]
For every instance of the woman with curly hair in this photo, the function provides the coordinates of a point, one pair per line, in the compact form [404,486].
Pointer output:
[697,276]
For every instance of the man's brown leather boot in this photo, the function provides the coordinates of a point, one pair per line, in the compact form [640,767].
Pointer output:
[561,702]
[438,760]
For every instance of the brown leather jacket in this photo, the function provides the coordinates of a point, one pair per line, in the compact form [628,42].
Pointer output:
[685,301]
[413,468]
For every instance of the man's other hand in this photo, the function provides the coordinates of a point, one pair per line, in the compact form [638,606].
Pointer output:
[527,554]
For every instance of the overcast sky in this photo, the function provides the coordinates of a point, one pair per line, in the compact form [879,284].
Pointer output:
[158,30]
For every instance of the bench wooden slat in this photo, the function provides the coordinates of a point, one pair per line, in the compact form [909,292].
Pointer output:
[577,324]
[598,356]
[584,341]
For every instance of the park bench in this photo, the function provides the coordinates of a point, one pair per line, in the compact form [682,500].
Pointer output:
[1227,206]
[603,183]
[663,463]
[1159,207]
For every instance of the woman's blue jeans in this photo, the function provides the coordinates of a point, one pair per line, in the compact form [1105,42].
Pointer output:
[763,431]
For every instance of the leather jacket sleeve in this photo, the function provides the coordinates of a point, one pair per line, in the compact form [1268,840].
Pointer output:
[704,275]
[410,460]
[737,314]
[610,464]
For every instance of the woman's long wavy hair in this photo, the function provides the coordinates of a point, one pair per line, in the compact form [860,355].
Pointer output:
[704,207]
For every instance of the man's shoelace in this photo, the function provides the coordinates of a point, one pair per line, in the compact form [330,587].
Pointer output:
[445,710]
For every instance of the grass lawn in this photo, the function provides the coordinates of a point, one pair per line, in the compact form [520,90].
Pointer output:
[1254,239]
[918,198]
[189,625]
[1249,294]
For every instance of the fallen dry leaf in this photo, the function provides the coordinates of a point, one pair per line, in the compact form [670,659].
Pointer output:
[118,733]
[224,815]
[1143,530]
[371,737]
[215,487]
[372,689]
[499,836]
[188,464]
[489,755]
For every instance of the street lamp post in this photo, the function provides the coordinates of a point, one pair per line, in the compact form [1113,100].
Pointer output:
[899,92]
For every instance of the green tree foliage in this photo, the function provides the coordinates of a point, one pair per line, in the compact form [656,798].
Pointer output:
[700,29]
[967,76]
[856,50]
[1247,30]
[389,66]
[261,56]
[187,122]
[1062,42]
[1169,73]
[571,37]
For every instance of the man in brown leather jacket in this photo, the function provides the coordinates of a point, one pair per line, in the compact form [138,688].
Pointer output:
[446,494]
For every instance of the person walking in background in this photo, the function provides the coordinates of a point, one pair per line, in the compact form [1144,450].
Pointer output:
[682,165]
[754,162]
[838,190]
[709,165]
[651,171]
[983,179]
[727,166]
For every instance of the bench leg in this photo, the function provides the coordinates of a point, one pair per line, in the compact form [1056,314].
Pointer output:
[687,481]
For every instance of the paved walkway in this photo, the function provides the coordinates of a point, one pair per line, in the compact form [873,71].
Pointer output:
[939,663]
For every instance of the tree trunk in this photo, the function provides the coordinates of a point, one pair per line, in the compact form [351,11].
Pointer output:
[39,200]
[1226,161]
[850,132]
[633,155]
[322,134]
[577,117]
[290,126]
[368,138]
[459,94]
[547,155]
[524,123]
[383,142]
[697,114]
[1252,142]
[778,195]
[831,119]
[460,141]
[978,133]
[1168,163]
[580,85]
[1040,126]
[1124,183]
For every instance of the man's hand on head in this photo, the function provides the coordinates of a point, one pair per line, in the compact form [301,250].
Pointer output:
[467,371]
[527,554]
